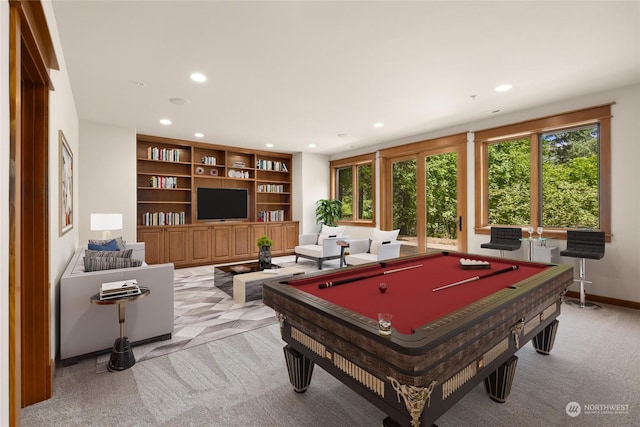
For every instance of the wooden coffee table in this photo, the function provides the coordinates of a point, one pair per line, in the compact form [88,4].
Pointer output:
[240,281]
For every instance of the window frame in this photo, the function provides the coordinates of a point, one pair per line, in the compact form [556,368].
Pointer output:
[354,163]
[532,129]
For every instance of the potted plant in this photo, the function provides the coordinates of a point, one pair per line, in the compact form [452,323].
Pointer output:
[328,211]
[264,257]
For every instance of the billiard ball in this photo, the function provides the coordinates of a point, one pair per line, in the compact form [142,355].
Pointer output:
[382,287]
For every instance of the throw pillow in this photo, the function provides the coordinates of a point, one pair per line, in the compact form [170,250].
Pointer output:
[375,244]
[384,235]
[321,238]
[121,244]
[338,231]
[109,263]
[116,254]
[111,245]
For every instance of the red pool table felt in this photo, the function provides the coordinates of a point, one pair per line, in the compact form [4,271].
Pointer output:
[409,296]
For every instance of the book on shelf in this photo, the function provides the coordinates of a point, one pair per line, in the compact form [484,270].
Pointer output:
[119,289]
[163,218]
[271,165]
[271,216]
[164,154]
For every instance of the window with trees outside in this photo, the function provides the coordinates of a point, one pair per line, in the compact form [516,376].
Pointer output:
[353,183]
[552,172]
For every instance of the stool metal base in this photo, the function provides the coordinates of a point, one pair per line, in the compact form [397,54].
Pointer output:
[122,356]
[583,303]
[580,304]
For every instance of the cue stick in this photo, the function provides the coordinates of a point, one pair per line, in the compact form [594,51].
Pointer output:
[472,279]
[354,279]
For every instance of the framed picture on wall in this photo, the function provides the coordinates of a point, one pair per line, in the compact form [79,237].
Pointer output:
[65,168]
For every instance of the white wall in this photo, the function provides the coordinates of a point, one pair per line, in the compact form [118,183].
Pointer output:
[310,184]
[4,213]
[107,177]
[62,117]
[615,276]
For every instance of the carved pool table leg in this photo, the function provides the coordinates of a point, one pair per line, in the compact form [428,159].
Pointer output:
[543,342]
[300,369]
[498,383]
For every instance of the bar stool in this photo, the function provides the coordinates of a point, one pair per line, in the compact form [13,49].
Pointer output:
[504,239]
[584,244]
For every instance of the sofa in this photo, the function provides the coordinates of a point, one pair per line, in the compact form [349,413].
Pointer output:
[382,245]
[88,330]
[321,246]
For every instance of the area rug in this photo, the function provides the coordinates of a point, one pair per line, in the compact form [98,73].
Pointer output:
[204,311]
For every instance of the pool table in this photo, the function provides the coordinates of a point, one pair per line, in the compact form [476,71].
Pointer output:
[454,325]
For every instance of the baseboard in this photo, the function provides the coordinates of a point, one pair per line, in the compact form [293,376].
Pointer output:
[606,300]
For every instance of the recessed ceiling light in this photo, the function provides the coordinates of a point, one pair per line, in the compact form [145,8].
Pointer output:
[503,88]
[165,121]
[198,77]
[198,135]
[179,101]
[378,125]
[270,145]
[313,145]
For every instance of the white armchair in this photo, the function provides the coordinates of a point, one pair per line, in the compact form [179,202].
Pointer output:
[382,246]
[321,246]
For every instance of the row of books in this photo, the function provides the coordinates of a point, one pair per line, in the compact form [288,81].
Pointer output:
[271,216]
[119,289]
[163,218]
[166,154]
[271,165]
[270,188]
[163,182]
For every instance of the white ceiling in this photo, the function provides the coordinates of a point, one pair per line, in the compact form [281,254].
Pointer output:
[294,73]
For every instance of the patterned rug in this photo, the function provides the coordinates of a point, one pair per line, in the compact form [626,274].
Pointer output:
[205,311]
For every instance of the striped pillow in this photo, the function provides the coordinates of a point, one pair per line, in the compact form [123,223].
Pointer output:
[109,263]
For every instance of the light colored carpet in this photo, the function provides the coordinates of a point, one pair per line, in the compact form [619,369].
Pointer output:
[204,310]
[241,380]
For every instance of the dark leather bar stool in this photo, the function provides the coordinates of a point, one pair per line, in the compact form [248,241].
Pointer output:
[584,244]
[504,239]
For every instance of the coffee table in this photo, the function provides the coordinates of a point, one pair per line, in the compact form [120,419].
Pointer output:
[240,281]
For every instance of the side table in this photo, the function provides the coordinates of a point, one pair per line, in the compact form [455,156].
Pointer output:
[122,355]
[343,245]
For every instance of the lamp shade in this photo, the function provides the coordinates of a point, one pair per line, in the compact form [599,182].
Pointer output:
[106,222]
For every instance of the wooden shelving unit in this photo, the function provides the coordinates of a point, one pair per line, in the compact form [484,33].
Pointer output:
[168,174]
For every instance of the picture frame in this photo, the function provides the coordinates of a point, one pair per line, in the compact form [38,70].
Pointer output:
[65,168]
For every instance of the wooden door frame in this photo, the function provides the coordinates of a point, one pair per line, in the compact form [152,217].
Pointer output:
[418,150]
[31,56]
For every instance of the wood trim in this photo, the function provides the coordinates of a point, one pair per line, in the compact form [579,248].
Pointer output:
[430,144]
[15,224]
[606,300]
[31,57]
[577,117]
[354,162]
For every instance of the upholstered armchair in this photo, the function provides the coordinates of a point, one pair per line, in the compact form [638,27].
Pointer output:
[381,246]
[321,246]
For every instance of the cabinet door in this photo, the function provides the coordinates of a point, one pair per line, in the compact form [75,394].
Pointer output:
[200,244]
[177,246]
[153,245]
[221,243]
[290,236]
[241,244]
[276,233]
[257,231]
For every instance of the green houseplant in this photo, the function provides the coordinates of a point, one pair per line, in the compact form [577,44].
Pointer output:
[328,212]
[264,257]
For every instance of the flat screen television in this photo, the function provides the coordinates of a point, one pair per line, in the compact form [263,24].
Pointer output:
[222,203]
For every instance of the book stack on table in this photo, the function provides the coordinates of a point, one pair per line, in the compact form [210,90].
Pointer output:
[123,288]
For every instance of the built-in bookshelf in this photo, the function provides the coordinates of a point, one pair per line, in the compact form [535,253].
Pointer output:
[170,171]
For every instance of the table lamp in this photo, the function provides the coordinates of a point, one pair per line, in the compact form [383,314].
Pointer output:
[106,222]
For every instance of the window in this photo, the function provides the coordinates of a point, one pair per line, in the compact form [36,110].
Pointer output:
[552,172]
[353,183]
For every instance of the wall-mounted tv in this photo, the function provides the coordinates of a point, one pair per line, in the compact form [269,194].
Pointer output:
[222,203]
